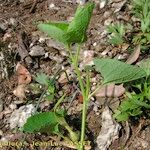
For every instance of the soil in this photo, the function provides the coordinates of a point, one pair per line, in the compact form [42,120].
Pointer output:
[21,17]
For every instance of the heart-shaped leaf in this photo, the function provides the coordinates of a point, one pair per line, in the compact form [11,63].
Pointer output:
[37,122]
[117,72]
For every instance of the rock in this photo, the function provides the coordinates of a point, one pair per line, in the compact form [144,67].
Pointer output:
[4,25]
[52,6]
[118,5]
[87,58]
[109,130]
[19,116]
[13,22]
[54,44]
[12,106]
[81,2]
[37,51]
[103,3]
[63,79]
[108,21]
[121,56]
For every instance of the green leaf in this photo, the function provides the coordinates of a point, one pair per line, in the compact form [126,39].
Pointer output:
[55,30]
[127,105]
[76,32]
[145,65]
[136,112]
[121,116]
[116,39]
[42,79]
[141,104]
[50,97]
[114,71]
[37,122]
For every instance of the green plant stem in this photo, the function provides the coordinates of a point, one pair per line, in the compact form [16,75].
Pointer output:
[87,83]
[75,64]
[84,91]
[84,112]
[97,88]
[58,102]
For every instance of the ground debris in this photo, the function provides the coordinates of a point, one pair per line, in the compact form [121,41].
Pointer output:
[23,48]
[111,90]
[19,116]
[37,51]
[109,131]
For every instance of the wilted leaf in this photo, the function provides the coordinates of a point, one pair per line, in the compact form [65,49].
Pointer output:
[134,56]
[24,78]
[114,71]
[111,90]
[23,74]
[20,91]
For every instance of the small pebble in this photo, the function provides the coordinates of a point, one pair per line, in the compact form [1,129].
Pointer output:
[13,22]
[37,51]
[12,106]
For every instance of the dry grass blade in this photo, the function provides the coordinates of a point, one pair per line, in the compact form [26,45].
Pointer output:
[134,56]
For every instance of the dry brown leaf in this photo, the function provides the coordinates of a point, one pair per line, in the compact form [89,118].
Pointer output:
[20,91]
[24,78]
[23,74]
[134,56]
[111,90]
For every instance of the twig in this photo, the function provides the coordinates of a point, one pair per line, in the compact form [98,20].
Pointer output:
[33,6]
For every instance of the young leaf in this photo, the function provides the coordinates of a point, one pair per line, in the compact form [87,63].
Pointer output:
[37,122]
[116,71]
[55,30]
[76,32]
[121,116]
[42,79]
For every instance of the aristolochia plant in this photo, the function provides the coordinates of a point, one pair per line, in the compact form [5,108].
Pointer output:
[111,70]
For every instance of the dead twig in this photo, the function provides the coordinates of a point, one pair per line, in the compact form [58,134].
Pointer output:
[33,6]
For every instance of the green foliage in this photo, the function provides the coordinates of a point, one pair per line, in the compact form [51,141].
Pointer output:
[145,65]
[117,32]
[54,30]
[75,31]
[134,104]
[141,10]
[43,79]
[117,72]
[38,122]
